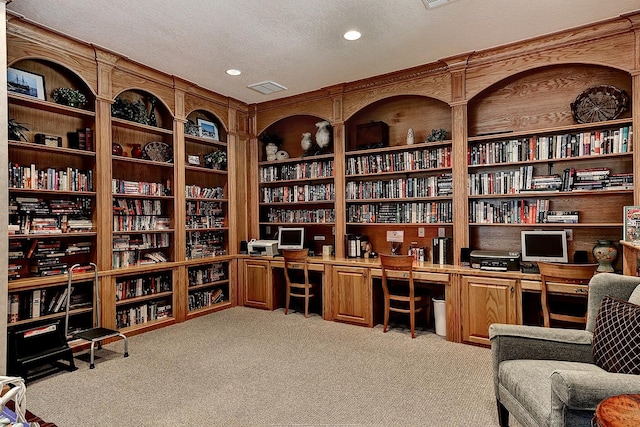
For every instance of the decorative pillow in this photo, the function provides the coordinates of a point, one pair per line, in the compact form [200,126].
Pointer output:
[616,336]
[635,296]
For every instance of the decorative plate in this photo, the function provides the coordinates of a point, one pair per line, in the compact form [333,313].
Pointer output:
[599,103]
[158,151]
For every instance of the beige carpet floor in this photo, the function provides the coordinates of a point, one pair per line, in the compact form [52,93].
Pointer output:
[247,367]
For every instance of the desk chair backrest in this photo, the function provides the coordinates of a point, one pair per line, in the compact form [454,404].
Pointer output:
[576,274]
[296,288]
[401,302]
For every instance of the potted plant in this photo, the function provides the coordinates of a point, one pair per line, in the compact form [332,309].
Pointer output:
[16,130]
[69,96]
[216,160]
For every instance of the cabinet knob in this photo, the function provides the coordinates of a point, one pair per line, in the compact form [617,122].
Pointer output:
[512,289]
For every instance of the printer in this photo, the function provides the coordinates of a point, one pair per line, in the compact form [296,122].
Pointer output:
[495,260]
[262,247]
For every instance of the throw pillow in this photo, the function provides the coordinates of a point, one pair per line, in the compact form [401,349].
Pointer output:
[635,296]
[616,336]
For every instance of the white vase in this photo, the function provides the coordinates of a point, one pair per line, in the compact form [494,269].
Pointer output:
[306,142]
[410,137]
[323,137]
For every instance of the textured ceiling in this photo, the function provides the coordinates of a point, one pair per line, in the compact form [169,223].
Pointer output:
[298,43]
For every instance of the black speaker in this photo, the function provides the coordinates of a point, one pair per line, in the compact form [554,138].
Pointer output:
[465,257]
[243,247]
[580,257]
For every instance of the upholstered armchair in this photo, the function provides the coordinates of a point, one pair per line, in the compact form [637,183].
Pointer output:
[547,376]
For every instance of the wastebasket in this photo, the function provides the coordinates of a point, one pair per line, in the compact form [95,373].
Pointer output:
[440,316]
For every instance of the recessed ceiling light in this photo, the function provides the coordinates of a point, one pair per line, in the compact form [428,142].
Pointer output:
[352,35]
[233,72]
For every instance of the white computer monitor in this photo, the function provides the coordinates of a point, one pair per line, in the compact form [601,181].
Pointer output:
[544,245]
[291,238]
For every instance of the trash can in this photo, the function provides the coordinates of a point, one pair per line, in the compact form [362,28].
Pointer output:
[440,316]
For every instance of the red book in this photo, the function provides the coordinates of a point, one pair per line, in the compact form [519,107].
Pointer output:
[89,139]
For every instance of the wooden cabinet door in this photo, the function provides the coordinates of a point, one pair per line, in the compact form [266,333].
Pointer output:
[258,284]
[351,294]
[485,301]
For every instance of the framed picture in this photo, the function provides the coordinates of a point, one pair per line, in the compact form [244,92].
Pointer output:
[208,129]
[25,83]
[632,224]
[193,159]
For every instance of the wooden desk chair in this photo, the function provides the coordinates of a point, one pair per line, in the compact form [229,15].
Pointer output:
[295,288]
[576,274]
[402,299]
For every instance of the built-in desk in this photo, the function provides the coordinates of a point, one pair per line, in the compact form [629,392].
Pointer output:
[474,298]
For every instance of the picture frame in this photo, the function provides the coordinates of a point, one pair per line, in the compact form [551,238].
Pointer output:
[193,159]
[208,129]
[25,83]
[631,224]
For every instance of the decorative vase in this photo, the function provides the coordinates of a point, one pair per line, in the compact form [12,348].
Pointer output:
[605,253]
[323,136]
[136,151]
[410,137]
[116,149]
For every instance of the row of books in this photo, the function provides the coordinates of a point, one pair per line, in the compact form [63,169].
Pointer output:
[143,313]
[28,224]
[202,244]
[140,223]
[197,192]
[398,162]
[204,208]
[508,211]
[35,205]
[137,207]
[69,179]
[129,258]
[302,170]
[144,285]
[299,193]
[589,143]
[318,216]
[431,186]
[207,274]
[404,213]
[202,299]
[141,241]
[199,222]
[121,186]
[523,180]
[41,302]
[82,139]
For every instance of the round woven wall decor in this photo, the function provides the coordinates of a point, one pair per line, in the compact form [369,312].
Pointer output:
[599,103]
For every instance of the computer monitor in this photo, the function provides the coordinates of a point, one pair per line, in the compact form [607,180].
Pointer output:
[544,245]
[291,238]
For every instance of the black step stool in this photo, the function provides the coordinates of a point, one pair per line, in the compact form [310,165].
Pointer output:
[98,334]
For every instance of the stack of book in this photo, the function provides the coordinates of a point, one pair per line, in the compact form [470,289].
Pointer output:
[561,217]
[591,179]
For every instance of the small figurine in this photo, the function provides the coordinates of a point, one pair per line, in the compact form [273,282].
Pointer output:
[306,143]
[271,150]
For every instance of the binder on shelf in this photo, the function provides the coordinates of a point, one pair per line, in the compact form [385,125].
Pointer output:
[442,250]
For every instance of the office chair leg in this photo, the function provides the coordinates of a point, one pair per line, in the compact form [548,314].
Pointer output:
[413,324]
[286,308]
[386,315]
[306,304]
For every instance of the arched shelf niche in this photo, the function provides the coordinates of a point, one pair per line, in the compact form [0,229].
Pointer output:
[400,113]
[52,75]
[289,132]
[539,98]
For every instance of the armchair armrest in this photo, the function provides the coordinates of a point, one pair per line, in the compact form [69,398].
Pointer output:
[583,390]
[510,342]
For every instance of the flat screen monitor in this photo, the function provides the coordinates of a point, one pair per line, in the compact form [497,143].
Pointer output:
[544,245]
[291,238]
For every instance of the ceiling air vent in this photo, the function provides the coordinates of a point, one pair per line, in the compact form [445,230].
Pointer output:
[267,87]
[430,4]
